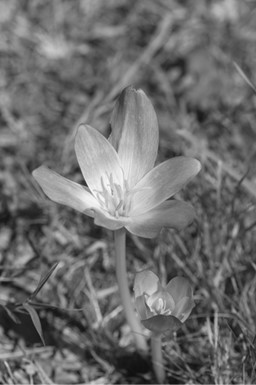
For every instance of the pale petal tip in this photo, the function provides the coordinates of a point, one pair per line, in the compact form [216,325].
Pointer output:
[140,91]
[131,88]
[198,166]
[81,134]
[43,173]
[79,130]
[34,172]
[38,171]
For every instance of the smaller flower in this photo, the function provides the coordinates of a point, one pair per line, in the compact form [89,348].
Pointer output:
[162,309]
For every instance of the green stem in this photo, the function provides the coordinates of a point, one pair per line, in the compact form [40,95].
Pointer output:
[157,357]
[122,280]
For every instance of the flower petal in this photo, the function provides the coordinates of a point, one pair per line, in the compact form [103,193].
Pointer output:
[163,182]
[146,282]
[135,133]
[64,191]
[142,308]
[183,308]
[102,218]
[97,158]
[162,323]
[173,213]
[178,288]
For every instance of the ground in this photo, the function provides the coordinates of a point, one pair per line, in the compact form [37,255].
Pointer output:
[65,62]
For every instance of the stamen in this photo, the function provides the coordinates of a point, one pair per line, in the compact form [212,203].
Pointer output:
[119,205]
[100,199]
[118,190]
[114,197]
[104,190]
[126,186]
[111,183]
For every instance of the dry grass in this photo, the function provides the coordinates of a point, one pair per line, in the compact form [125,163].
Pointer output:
[63,62]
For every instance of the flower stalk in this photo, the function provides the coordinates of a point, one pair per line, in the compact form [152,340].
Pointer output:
[122,280]
[157,357]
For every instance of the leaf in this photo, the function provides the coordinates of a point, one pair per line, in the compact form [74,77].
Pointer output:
[35,319]
[42,281]
[11,314]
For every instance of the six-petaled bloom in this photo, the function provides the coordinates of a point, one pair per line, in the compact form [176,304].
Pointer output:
[162,309]
[124,189]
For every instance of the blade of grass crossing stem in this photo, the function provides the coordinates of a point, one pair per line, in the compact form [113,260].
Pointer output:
[11,315]
[43,280]
[244,76]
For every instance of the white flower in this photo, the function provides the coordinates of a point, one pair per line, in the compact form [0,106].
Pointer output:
[124,188]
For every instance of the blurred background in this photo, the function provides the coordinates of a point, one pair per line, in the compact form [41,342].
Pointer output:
[65,62]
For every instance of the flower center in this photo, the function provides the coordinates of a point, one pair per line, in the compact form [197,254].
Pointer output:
[158,304]
[114,198]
